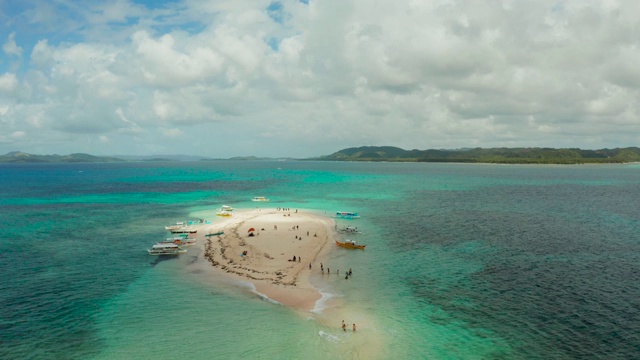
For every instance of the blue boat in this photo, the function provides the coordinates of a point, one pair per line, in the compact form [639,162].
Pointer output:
[347,215]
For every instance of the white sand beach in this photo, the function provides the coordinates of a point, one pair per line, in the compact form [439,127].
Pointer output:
[278,236]
[270,239]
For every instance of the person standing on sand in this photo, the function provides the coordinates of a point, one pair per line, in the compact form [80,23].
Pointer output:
[344,326]
[354,327]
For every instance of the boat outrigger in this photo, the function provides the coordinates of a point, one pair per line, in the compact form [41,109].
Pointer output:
[350,244]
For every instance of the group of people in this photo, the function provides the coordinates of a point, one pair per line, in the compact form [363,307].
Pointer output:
[329,270]
[344,326]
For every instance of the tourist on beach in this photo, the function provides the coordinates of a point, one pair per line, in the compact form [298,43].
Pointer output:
[328,271]
[309,266]
[294,258]
[344,326]
[321,267]
[299,258]
[354,327]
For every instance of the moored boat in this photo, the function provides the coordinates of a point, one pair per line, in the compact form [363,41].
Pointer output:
[181,241]
[166,249]
[350,230]
[350,244]
[225,210]
[215,234]
[184,230]
[347,215]
[259,198]
[175,226]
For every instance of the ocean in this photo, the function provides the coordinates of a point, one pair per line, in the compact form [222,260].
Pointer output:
[463,261]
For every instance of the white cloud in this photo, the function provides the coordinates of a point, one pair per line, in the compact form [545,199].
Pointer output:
[18,135]
[172,133]
[10,47]
[8,82]
[331,74]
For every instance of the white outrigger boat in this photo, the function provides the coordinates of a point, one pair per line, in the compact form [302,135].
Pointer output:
[175,226]
[225,210]
[180,241]
[350,230]
[166,249]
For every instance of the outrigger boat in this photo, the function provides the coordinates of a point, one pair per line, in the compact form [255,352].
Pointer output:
[175,226]
[350,244]
[259,198]
[166,249]
[184,230]
[179,241]
[350,230]
[225,211]
[347,215]
[215,234]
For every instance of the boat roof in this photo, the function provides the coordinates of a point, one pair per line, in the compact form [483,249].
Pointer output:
[164,245]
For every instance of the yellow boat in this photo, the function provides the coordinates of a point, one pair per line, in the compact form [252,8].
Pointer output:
[350,245]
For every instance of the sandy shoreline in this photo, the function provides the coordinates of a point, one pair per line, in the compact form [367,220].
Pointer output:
[277,237]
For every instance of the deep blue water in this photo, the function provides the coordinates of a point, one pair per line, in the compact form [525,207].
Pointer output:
[464,261]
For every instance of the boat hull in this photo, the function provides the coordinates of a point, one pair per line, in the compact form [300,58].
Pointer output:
[215,234]
[184,231]
[350,245]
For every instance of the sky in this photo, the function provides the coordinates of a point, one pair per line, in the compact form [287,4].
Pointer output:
[293,78]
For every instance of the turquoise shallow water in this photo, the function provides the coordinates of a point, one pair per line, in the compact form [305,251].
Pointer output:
[463,262]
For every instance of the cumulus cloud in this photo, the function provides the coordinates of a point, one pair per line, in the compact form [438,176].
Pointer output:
[10,47]
[8,82]
[172,133]
[302,79]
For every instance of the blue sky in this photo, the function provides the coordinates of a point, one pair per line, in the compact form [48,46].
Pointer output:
[306,78]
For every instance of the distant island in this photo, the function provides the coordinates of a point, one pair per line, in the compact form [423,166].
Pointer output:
[21,157]
[382,153]
[490,155]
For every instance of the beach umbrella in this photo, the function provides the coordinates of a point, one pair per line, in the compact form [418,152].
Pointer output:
[252,229]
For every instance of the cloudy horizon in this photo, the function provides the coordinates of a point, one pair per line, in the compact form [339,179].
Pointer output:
[300,79]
